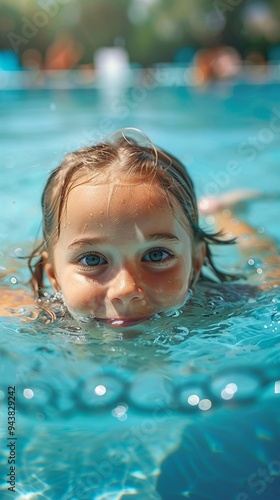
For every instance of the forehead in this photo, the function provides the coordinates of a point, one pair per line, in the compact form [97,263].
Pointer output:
[120,202]
[111,197]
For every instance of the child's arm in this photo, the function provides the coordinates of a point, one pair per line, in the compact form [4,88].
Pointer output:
[251,243]
[14,302]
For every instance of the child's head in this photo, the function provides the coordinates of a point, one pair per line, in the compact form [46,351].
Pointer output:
[121,239]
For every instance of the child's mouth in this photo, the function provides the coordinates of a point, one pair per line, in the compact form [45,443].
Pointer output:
[121,322]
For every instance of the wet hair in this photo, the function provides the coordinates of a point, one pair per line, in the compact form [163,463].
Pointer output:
[120,156]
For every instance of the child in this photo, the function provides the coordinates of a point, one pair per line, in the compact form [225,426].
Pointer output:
[121,236]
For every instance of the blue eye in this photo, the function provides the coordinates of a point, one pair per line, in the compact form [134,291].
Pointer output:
[156,255]
[92,260]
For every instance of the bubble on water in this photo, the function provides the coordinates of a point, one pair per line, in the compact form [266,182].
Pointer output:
[276,317]
[13,280]
[191,393]
[253,264]
[229,391]
[120,412]
[179,333]
[193,399]
[28,393]
[40,416]
[100,390]
[240,385]
[172,313]
[205,404]
[18,252]
[111,392]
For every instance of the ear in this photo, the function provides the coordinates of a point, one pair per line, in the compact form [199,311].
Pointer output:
[199,254]
[50,271]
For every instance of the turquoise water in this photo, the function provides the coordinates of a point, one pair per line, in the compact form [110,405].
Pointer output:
[191,408]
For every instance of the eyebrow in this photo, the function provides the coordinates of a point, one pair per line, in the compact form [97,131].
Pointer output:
[103,241]
[162,236]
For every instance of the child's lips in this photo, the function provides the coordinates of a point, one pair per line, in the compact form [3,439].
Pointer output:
[121,322]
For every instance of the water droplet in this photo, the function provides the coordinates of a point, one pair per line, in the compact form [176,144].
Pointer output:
[241,384]
[254,265]
[18,252]
[193,399]
[204,404]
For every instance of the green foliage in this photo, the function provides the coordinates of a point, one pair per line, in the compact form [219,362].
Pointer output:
[151,30]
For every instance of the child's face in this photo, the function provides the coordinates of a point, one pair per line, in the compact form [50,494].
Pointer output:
[121,255]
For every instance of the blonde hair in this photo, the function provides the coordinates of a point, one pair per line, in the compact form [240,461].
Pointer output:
[119,155]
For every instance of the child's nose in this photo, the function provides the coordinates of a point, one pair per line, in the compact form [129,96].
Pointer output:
[125,287]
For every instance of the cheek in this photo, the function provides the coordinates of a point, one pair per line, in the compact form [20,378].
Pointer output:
[81,296]
[175,281]
[176,287]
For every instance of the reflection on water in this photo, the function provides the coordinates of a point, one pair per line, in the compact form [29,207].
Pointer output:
[104,415]
[212,343]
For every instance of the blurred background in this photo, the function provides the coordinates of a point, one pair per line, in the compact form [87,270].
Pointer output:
[199,77]
[216,37]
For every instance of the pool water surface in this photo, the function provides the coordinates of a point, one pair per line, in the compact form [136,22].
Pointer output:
[179,407]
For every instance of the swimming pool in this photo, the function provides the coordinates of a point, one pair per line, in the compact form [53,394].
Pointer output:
[188,408]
